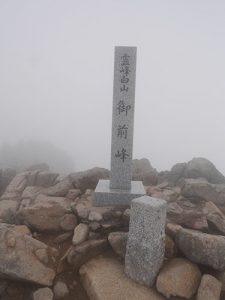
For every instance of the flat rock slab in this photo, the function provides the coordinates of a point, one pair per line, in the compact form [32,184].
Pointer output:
[104,278]
[24,258]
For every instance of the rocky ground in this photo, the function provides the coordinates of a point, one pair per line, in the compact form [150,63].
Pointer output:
[54,244]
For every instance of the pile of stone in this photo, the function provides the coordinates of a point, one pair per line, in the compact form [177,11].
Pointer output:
[54,244]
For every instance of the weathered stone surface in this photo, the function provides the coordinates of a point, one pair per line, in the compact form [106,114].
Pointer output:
[145,246]
[46,213]
[170,247]
[68,222]
[60,189]
[202,248]
[60,290]
[179,277]
[209,289]
[8,209]
[5,177]
[200,188]
[81,233]
[88,179]
[73,194]
[104,278]
[95,216]
[80,254]
[43,294]
[31,192]
[45,179]
[81,209]
[118,241]
[18,259]
[143,171]
[202,167]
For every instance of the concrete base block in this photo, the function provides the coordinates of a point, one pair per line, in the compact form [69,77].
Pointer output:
[145,246]
[104,196]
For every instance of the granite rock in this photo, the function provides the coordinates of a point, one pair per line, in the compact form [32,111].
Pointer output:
[179,277]
[210,288]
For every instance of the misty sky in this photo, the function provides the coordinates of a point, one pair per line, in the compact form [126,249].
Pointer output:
[56,76]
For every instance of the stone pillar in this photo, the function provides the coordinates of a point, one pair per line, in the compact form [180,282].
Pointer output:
[146,239]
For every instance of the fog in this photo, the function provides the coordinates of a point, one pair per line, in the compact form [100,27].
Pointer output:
[56,77]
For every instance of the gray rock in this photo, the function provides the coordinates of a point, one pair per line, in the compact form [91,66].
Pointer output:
[210,288]
[202,167]
[43,294]
[60,189]
[200,188]
[8,209]
[19,259]
[68,222]
[73,194]
[81,233]
[88,179]
[178,277]
[143,171]
[47,214]
[45,179]
[202,248]
[118,241]
[60,290]
[95,216]
[146,238]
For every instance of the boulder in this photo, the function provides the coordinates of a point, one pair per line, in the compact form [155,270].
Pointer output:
[8,209]
[104,278]
[60,189]
[5,177]
[20,257]
[143,171]
[81,233]
[170,247]
[202,167]
[201,189]
[48,214]
[88,179]
[118,242]
[202,248]
[60,290]
[80,254]
[210,288]
[43,294]
[179,277]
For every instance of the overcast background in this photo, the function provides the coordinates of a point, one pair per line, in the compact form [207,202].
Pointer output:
[56,76]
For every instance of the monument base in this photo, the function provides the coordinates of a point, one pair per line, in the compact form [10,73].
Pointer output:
[104,196]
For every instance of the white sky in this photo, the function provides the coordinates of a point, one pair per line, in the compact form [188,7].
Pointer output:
[56,76]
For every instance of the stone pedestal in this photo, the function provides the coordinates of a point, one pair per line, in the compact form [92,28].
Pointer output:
[105,196]
[145,246]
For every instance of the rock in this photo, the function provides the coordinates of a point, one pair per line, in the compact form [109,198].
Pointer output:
[80,254]
[47,214]
[68,222]
[81,209]
[210,288]
[206,249]
[95,216]
[62,237]
[73,194]
[118,242]
[43,294]
[60,290]
[88,179]
[201,189]
[176,173]
[81,233]
[38,167]
[8,209]
[104,278]
[19,260]
[5,177]
[31,192]
[3,286]
[23,229]
[143,171]
[221,278]
[202,167]
[179,277]
[45,179]
[126,215]
[60,189]
[172,229]
[170,247]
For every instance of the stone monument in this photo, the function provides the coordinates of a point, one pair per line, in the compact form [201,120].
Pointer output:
[120,189]
[146,239]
